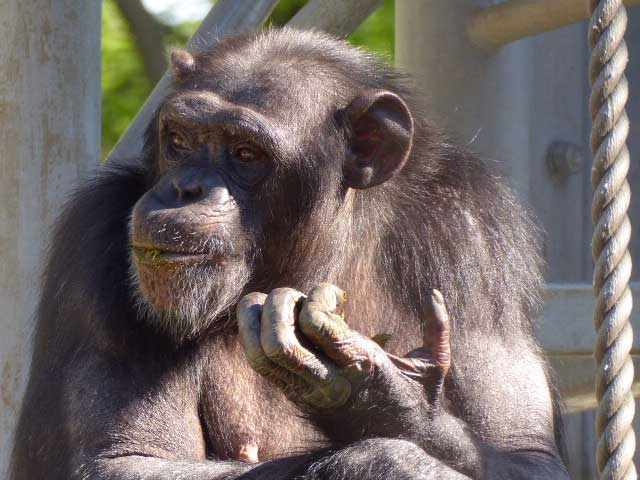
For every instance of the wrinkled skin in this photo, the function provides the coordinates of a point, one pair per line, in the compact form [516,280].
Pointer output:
[340,372]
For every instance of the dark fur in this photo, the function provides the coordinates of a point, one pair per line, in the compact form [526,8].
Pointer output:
[111,396]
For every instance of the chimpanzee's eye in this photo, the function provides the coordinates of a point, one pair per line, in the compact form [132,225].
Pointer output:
[245,152]
[177,141]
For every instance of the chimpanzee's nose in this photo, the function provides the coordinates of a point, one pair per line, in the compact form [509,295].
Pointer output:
[188,187]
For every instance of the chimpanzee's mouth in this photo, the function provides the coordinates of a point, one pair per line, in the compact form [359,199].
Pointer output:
[153,254]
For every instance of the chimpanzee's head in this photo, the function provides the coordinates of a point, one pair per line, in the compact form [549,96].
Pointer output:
[251,161]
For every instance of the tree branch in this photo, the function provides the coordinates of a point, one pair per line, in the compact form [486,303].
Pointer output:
[148,33]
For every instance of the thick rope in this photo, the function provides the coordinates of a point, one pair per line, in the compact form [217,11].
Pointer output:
[611,198]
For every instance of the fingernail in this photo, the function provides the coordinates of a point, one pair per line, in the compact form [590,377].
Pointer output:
[437,296]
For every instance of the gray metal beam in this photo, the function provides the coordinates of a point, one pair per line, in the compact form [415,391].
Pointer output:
[575,379]
[568,341]
[337,17]
[568,312]
[512,20]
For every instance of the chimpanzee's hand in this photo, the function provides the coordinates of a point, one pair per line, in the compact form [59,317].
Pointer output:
[353,388]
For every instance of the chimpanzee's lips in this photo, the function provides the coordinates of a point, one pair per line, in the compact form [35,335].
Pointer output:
[153,254]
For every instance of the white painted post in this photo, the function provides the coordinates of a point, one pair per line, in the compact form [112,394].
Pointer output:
[483,98]
[49,135]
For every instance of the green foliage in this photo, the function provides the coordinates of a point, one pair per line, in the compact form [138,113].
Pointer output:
[125,86]
[284,11]
[179,35]
[377,33]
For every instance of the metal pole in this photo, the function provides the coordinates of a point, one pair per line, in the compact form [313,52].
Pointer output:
[611,198]
[49,136]
[512,20]
[482,99]
[337,17]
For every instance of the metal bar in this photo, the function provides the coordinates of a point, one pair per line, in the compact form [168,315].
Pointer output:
[336,17]
[574,377]
[513,20]
[227,17]
[561,329]
[610,245]
[569,345]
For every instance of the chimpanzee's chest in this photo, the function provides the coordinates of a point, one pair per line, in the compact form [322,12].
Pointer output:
[243,415]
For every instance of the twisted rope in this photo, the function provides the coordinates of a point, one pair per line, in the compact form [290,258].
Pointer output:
[611,200]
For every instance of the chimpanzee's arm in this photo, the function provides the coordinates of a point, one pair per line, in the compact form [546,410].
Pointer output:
[503,427]
[136,419]
[131,423]
[373,459]
[506,409]
[504,423]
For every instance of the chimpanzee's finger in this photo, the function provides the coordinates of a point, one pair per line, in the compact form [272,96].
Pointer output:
[321,321]
[248,313]
[280,344]
[430,364]
[436,338]
[416,365]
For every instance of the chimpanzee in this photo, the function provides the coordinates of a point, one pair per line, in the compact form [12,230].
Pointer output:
[290,163]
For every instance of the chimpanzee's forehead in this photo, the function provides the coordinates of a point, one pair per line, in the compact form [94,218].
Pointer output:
[298,80]
[291,101]
[283,70]
[277,88]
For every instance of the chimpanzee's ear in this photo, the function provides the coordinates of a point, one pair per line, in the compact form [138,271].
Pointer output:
[183,64]
[382,134]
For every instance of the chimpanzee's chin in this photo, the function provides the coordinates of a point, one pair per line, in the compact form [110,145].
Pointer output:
[185,299]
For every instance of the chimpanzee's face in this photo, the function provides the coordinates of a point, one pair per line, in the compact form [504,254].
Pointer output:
[191,242]
[224,161]
[246,153]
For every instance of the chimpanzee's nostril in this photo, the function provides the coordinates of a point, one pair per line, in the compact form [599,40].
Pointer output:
[188,189]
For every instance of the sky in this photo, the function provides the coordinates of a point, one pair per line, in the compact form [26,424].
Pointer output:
[178,11]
